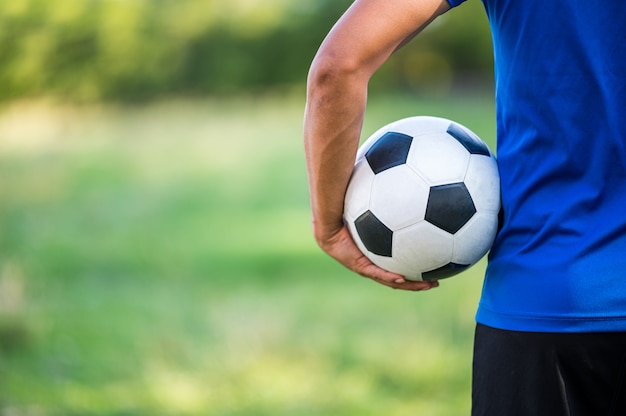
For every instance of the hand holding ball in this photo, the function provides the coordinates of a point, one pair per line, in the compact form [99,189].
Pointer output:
[424,198]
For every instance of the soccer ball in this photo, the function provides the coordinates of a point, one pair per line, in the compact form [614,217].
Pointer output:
[424,198]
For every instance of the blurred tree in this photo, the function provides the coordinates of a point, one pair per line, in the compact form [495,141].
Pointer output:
[140,49]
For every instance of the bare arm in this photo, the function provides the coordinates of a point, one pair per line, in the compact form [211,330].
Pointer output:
[361,41]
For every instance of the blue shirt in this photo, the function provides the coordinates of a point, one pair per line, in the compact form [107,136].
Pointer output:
[559,262]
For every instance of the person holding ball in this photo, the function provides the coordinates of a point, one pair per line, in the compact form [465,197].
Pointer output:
[551,323]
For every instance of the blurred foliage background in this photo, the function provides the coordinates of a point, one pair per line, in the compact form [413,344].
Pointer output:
[156,256]
[144,49]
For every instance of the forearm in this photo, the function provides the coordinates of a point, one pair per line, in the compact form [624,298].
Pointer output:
[332,127]
[337,90]
[334,113]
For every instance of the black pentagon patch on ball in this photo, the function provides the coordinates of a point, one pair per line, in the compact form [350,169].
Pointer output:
[471,143]
[448,270]
[375,235]
[449,206]
[390,150]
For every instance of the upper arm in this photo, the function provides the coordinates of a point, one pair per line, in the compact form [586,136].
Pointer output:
[371,30]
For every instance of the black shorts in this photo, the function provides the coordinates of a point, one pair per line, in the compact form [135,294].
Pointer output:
[551,374]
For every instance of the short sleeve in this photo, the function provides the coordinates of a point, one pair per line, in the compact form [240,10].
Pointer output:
[454,3]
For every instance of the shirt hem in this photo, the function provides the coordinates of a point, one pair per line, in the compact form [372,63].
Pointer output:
[550,323]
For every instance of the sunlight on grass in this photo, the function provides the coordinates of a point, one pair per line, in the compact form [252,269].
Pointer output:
[159,260]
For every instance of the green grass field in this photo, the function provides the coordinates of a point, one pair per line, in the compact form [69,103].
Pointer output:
[158,260]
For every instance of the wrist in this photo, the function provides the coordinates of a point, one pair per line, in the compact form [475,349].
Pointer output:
[324,233]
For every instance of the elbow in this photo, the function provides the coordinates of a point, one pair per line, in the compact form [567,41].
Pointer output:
[330,70]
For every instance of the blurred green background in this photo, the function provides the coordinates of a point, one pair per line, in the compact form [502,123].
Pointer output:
[156,256]
[131,50]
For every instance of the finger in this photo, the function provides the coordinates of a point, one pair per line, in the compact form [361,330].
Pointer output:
[347,253]
[395,280]
[411,285]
